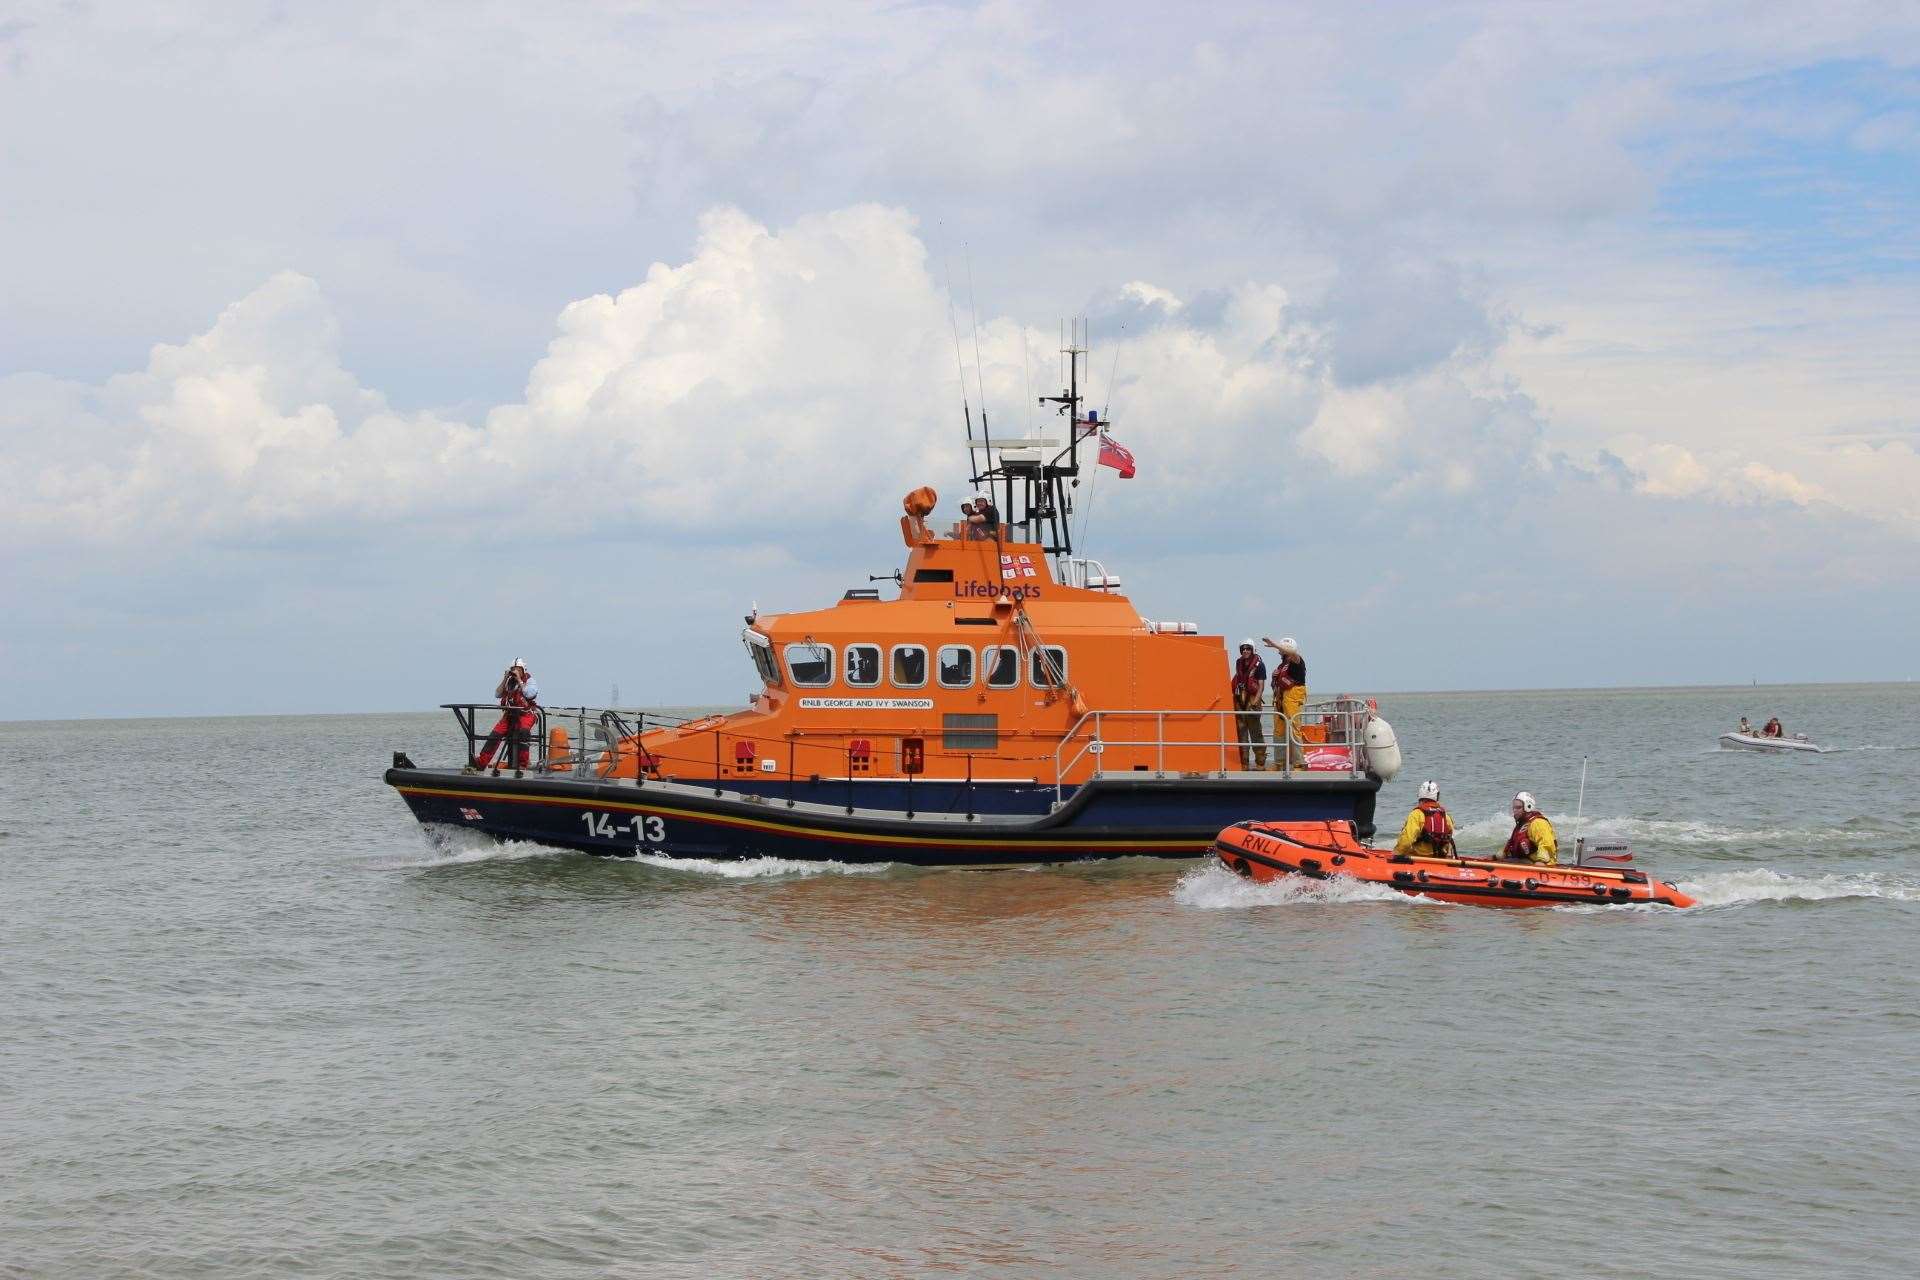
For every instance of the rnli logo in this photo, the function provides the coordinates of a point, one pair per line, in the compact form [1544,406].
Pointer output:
[471,815]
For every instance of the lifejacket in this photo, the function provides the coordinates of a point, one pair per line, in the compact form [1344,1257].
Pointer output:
[1436,826]
[1289,673]
[517,700]
[1520,843]
[1249,674]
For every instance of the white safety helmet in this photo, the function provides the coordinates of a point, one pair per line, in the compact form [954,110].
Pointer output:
[521,663]
[1526,801]
[1287,645]
[1429,790]
[1248,643]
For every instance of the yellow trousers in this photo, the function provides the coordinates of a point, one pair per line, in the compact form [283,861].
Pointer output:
[1287,726]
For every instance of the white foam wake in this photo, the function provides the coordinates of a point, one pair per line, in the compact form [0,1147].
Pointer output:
[453,847]
[761,868]
[1737,888]
[1212,887]
[1649,834]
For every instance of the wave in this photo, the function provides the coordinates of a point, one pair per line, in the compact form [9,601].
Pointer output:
[1739,888]
[454,847]
[1212,887]
[1654,832]
[760,868]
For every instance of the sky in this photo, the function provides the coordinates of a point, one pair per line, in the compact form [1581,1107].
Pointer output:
[348,352]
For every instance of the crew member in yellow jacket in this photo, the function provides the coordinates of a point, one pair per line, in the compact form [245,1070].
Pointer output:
[1289,695]
[1532,839]
[1428,832]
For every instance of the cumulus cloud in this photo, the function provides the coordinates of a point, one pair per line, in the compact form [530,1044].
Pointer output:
[780,377]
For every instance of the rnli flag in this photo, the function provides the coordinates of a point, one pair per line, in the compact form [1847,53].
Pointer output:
[1116,455]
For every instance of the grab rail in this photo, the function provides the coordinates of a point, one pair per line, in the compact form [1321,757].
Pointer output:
[602,740]
[1344,717]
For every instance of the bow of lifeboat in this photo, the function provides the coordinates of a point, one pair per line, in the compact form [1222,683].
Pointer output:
[1265,851]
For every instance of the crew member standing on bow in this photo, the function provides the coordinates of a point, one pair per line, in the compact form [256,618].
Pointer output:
[1289,695]
[1532,839]
[1428,832]
[519,698]
[1249,688]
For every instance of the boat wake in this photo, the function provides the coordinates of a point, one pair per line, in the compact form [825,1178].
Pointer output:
[759,868]
[1650,834]
[1212,887]
[1741,888]
[452,847]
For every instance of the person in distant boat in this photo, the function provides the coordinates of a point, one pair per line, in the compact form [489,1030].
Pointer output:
[1745,728]
[519,698]
[1428,832]
[1249,688]
[1289,696]
[1773,729]
[1532,839]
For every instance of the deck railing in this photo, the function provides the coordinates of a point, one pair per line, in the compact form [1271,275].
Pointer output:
[1333,726]
[602,743]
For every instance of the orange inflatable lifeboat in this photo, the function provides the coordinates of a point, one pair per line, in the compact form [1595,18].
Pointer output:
[1265,851]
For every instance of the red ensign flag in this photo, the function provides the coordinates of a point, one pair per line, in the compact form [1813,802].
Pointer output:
[1116,455]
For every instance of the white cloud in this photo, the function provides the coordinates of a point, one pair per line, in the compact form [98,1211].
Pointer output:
[776,379]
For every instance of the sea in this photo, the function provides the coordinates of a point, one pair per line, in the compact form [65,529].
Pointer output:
[255,1021]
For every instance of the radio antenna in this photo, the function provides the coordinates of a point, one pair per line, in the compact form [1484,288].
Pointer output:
[960,368]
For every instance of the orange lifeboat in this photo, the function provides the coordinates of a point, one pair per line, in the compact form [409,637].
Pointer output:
[1265,851]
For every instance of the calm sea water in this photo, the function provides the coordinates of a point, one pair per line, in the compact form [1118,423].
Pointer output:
[258,1024]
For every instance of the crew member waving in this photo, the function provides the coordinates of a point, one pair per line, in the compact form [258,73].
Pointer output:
[1289,696]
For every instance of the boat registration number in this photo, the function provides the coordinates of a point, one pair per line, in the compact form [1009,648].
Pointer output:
[646,828]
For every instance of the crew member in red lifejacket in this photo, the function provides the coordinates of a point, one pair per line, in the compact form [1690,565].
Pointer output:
[519,698]
[1773,729]
[1428,832]
[1532,839]
[1249,687]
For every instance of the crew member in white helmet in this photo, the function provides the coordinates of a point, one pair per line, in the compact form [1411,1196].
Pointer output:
[1289,695]
[1532,839]
[519,699]
[1428,832]
[1249,688]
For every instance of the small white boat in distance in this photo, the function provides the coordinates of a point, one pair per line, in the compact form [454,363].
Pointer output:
[1759,742]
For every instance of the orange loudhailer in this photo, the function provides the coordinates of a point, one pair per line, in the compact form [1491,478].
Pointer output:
[1004,703]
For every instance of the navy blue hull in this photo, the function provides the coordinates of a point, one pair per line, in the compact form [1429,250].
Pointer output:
[1111,817]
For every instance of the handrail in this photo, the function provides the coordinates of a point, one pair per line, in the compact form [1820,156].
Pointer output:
[1349,714]
[615,735]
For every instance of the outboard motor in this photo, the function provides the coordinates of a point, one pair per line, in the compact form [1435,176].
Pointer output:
[1383,749]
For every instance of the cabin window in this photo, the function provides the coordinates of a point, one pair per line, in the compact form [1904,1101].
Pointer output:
[1047,667]
[909,666]
[810,664]
[969,732]
[956,666]
[764,662]
[863,665]
[1002,665]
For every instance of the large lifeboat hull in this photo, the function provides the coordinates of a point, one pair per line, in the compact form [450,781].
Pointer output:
[1265,851]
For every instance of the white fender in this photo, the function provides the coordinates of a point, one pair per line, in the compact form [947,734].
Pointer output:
[1383,749]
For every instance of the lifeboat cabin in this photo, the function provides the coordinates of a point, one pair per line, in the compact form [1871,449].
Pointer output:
[1006,704]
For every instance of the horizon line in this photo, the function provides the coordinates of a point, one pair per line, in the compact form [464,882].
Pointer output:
[705,706]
